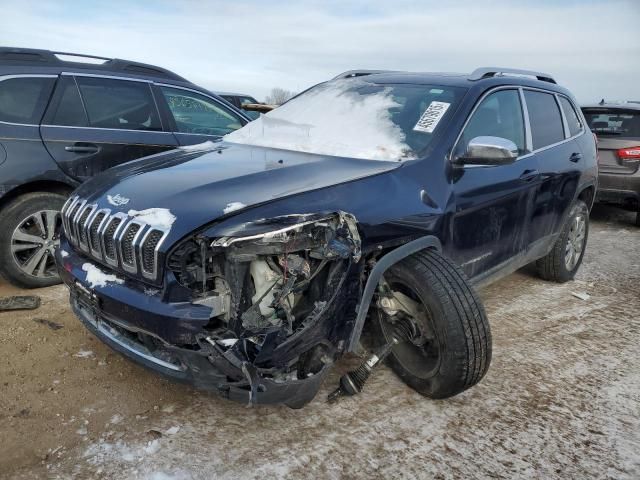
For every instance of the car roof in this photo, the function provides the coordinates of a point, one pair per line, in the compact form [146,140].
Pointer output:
[231,94]
[484,76]
[33,61]
[614,105]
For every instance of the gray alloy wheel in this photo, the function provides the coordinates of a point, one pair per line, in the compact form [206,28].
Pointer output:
[563,261]
[575,241]
[33,243]
[29,234]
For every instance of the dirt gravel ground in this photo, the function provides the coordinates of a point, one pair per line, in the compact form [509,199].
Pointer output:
[561,399]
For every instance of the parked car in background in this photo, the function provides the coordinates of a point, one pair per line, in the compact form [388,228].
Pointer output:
[240,99]
[249,267]
[617,126]
[66,117]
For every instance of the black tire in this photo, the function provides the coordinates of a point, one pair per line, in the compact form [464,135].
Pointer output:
[13,216]
[553,267]
[638,219]
[454,315]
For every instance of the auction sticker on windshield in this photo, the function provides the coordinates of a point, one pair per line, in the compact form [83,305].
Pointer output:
[431,116]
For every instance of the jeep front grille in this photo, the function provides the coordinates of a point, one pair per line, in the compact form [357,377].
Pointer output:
[113,238]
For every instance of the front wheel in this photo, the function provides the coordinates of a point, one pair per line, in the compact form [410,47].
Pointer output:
[29,234]
[562,262]
[450,348]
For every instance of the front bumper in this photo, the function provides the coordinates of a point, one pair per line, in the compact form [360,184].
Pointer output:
[138,325]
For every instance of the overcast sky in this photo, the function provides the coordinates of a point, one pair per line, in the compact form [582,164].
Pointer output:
[590,46]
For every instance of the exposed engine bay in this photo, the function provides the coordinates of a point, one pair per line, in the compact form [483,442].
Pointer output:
[281,293]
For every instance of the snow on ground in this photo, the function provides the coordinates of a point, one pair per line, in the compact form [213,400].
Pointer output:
[561,400]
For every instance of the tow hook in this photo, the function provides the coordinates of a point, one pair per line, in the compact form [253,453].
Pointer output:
[352,383]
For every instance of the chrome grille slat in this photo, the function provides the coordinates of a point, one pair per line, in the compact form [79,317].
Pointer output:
[83,221]
[115,239]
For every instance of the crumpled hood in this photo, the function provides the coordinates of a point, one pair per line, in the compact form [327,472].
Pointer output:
[200,187]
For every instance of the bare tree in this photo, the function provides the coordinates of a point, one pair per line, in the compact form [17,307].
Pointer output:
[278,96]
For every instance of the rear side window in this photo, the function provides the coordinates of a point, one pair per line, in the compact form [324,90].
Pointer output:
[197,114]
[613,123]
[545,119]
[499,115]
[120,104]
[23,99]
[573,120]
[66,108]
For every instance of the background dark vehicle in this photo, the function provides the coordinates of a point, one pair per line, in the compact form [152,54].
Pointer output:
[618,129]
[64,118]
[248,269]
[238,100]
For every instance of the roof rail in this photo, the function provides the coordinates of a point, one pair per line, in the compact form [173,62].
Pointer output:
[31,56]
[487,72]
[360,73]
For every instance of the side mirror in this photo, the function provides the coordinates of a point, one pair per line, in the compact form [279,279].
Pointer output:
[489,151]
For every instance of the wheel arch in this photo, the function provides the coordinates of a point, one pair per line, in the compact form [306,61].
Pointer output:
[51,186]
[387,260]
[588,195]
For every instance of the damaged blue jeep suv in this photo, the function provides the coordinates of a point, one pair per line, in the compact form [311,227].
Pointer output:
[376,201]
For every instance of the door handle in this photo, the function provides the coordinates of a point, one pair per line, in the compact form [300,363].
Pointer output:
[82,148]
[529,175]
[575,157]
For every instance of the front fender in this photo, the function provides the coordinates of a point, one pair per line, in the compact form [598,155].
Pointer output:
[391,258]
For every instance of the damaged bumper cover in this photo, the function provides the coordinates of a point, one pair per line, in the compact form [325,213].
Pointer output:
[257,316]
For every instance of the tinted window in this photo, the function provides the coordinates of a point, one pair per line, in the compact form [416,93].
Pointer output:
[499,115]
[66,106]
[575,125]
[545,119]
[22,100]
[613,123]
[194,113]
[121,104]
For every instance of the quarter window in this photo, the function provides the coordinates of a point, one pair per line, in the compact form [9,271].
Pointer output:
[575,125]
[119,104]
[545,119]
[499,115]
[23,99]
[195,113]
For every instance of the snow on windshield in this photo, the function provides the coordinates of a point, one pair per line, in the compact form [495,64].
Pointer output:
[332,119]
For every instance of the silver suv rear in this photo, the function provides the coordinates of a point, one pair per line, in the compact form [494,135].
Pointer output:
[617,126]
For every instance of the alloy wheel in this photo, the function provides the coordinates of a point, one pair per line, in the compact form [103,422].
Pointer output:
[575,242]
[34,241]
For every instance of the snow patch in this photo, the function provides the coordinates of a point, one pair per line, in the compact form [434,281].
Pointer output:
[83,354]
[172,430]
[117,200]
[97,278]
[199,147]
[116,419]
[154,217]
[233,206]
[332,119]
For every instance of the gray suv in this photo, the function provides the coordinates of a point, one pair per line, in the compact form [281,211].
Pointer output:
[617,126]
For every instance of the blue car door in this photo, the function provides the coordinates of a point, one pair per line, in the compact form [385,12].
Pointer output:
[493,203]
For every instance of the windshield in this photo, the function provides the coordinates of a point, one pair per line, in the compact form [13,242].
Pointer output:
[619,123]
[355,118]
